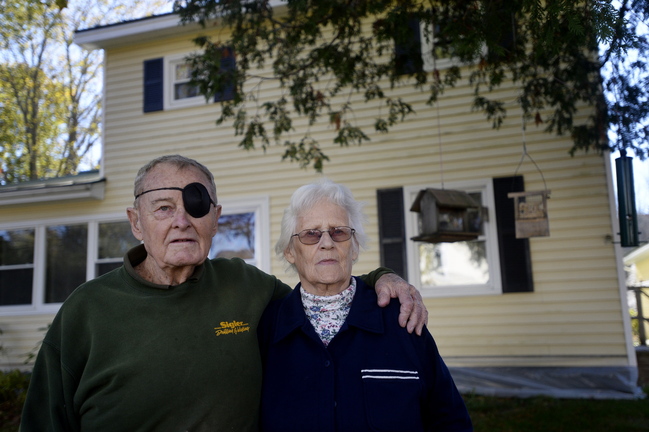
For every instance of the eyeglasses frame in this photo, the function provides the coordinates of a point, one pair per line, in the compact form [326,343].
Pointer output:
[351,234]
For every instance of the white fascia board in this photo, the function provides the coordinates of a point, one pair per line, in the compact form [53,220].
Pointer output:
[141,30]
[62,193]
[130,32]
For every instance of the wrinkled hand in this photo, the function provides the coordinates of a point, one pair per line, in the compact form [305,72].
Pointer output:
[413,314]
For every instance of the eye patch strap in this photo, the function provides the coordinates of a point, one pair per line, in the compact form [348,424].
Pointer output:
[196,198]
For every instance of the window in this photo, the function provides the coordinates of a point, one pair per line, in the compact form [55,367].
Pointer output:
[41,263]
[178,92]
[16,266]
[459,268]
[114,240]
[422,51]
[243,232]
[167,83]
[181,74]
[66,256]
[236,237]
[496,262]
[419,53]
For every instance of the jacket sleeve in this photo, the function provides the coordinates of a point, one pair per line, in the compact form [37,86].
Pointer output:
[444,410]
[49,405]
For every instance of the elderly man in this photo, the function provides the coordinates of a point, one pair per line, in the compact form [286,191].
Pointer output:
[168,341]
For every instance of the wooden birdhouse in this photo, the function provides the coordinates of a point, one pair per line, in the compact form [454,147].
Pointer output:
[447,216]
[531,213]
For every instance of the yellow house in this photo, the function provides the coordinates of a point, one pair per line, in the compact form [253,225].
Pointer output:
[542,315]
[637,264]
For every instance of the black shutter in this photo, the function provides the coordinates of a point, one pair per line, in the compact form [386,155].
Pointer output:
[515,257]
[392,230]
[228,66]
[153,85]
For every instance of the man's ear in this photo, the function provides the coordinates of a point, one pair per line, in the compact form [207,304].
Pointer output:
[134,219]
[215,228]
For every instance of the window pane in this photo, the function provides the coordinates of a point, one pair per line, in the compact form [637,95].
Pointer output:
[16,247]
[115,239]
[459,263]
[183,72]
[66,260]
[16,266]
[16,286]
[235,238]
[184,91]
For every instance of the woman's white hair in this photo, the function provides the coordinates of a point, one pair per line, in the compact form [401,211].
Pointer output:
[307,196]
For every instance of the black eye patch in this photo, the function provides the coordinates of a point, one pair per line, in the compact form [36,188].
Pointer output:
[196,198]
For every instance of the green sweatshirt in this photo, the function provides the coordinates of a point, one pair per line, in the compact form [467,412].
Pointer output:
[124,354]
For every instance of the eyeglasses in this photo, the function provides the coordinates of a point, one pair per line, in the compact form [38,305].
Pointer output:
[337,234]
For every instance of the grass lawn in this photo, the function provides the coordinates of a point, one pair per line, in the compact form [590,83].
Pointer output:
[543,414]
[489,414]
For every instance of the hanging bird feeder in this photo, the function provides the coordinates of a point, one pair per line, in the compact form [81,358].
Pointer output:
[531,213]
[627,213]
[530,207]
[447,216]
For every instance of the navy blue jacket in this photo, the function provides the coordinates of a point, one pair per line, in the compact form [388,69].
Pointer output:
[373,376]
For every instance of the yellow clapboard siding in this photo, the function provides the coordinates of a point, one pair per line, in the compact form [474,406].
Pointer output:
[574,317]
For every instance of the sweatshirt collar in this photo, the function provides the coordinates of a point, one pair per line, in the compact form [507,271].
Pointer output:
[138,254]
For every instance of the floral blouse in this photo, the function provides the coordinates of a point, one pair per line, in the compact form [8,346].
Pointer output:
[328,313]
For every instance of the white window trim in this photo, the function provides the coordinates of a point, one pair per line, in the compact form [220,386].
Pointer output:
[427,41]
[494,285]
[169,63]
[38,305]
[260,206]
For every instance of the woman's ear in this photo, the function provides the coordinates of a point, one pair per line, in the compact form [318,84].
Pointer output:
[289,255]
[355,250]
[134,219]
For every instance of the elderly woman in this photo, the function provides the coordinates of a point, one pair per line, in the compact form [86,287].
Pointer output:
[334,360]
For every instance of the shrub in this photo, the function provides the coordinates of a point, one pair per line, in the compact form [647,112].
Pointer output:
[13,390]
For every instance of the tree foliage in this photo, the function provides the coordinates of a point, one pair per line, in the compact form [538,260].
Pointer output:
[32,103]
[50,91]
[323,52]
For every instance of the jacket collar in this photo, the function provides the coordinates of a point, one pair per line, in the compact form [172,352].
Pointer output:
[364,314]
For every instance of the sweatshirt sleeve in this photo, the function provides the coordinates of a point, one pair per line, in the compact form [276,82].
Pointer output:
[373,276]
[282,290]
[49,403]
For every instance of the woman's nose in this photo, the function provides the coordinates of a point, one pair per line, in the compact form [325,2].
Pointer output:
[326,241]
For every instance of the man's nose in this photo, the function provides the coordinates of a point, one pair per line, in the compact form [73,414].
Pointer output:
[181,217]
